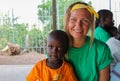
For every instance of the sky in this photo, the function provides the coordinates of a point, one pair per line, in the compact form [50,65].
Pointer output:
[99,4]
[26,10]
[105,4]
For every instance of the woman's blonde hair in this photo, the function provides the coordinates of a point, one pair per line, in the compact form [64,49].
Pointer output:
[66,19]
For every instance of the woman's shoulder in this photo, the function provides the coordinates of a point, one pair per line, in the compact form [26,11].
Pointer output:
[98,43]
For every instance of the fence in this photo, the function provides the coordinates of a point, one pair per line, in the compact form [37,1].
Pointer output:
[32,38]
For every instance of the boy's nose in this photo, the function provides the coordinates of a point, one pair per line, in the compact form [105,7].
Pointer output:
[54,49]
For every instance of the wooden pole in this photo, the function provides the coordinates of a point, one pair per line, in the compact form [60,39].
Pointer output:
[54,13]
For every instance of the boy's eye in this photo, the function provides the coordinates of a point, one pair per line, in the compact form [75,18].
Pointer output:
[59,48]
[50,47]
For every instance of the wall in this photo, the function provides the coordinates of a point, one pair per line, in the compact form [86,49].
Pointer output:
[113,5]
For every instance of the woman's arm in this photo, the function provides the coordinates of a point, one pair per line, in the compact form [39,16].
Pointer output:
[104,75]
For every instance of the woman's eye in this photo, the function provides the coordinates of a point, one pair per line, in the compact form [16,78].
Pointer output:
[85,21]
[72,20]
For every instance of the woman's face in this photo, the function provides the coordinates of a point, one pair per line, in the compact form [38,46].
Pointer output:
[79,23]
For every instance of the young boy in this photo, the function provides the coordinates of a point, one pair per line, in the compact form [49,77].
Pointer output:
[54,68]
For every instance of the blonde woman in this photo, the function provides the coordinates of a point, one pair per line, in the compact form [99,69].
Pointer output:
[89,57]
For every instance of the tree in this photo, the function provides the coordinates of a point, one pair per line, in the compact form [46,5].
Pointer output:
[45,11]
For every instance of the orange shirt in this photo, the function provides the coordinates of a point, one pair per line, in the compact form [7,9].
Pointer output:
[41,72]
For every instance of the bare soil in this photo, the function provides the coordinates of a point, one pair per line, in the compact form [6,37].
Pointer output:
[27,58]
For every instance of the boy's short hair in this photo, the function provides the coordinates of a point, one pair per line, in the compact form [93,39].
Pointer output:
[62,37]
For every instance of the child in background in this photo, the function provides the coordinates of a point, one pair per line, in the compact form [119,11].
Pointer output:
[54,68]
[103,24]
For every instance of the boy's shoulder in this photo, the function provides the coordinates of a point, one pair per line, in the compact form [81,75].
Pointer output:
[66,64]
[41,62]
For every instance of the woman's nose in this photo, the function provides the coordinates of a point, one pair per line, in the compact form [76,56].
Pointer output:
[78,23]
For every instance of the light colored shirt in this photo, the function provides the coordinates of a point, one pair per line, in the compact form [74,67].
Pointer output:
[114,46]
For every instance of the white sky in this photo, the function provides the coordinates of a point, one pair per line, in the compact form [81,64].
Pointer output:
[26,10]
[99,4]
[104,4]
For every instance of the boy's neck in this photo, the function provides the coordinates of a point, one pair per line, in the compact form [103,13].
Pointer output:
[54,65]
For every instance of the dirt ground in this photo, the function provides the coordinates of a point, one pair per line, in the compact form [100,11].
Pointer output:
[27,58]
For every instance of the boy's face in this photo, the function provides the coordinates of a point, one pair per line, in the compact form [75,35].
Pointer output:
[54,49]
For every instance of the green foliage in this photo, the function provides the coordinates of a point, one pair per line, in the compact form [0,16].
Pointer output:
[90,3]
[37,39]
[17,33]
[45,11]
[3,37]
[33,35]
[14,34]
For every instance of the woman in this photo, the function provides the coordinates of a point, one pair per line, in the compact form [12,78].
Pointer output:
[89,58]
[103,25]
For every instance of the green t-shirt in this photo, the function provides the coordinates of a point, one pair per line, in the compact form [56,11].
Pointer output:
[88,61]
[101,34]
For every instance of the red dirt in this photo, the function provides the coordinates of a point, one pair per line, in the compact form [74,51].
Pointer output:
[27,58]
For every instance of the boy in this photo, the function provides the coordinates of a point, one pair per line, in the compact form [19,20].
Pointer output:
[54,68]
